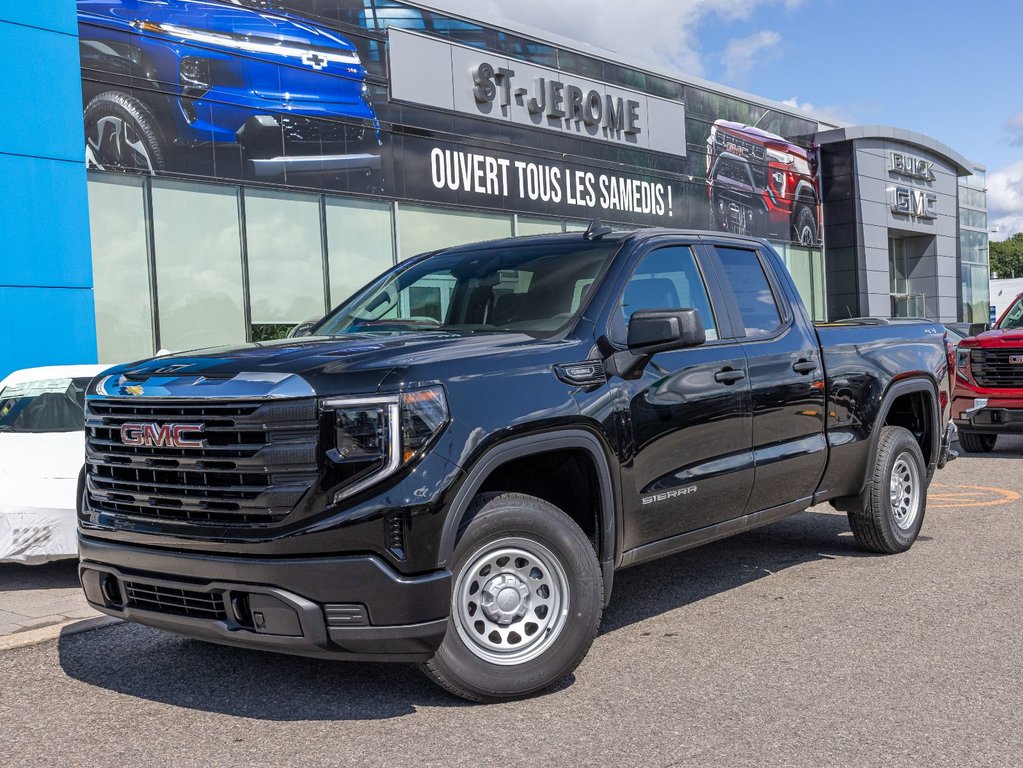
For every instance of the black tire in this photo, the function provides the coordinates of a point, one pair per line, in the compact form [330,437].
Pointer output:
[498,521]
[804,225]
[975,442]
[875,521]
[121,133]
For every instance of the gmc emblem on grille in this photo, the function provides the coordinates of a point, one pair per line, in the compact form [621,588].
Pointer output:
[162,435]
[1016,359]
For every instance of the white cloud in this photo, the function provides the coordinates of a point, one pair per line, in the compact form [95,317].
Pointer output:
[834,113]
[742,54]
[1005,199]
[664,32]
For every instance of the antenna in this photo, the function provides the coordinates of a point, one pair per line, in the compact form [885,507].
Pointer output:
[596,230]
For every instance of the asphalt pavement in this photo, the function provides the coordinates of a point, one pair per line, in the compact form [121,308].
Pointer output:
[785,646]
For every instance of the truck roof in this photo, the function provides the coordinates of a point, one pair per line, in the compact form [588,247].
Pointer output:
[617,235]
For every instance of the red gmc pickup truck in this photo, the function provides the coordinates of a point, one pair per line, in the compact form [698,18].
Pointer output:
[987,398]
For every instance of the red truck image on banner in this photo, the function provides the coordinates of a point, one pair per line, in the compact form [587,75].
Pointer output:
[761,184]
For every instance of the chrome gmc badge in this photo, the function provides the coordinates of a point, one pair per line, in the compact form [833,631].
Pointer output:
[152,435]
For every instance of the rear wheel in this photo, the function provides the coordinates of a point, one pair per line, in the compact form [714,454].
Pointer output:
[526,602]
[890,512]
[975,442]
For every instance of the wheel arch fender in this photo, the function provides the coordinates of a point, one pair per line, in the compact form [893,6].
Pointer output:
[805,192]
[907,386]
[532,445]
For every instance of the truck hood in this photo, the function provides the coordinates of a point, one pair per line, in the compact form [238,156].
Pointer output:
[1012,337]
[321,365]
[761,136]
[221,18]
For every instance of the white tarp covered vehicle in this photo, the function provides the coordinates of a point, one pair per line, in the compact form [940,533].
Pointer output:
[42,451]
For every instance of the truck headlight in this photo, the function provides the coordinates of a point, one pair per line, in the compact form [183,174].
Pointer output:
[375,436]
[962,363]
[780,157]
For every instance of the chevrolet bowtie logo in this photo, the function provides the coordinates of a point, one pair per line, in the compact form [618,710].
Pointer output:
[314,60]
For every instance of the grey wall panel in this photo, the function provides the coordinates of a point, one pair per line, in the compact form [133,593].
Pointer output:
[421,72]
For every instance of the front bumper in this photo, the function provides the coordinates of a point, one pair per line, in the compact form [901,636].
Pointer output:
[37,519]
[351,607]
[989,415]
[277,145]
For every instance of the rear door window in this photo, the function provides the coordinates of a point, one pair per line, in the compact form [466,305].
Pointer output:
[758,306]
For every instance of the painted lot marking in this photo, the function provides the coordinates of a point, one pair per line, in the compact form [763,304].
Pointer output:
[958,496]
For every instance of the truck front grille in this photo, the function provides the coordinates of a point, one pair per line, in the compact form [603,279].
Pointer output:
[307,129]
[991,368]
[726,141]
[179,602]
[256,460]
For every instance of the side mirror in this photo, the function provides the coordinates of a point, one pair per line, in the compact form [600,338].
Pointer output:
[303,328]
[662,330]
[652,331]
[978,328]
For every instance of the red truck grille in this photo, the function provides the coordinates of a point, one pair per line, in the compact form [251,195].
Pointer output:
[994,367]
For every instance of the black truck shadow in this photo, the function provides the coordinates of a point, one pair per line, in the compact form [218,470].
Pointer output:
[158,666]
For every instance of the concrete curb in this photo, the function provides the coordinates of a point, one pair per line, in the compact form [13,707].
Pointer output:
[54,631]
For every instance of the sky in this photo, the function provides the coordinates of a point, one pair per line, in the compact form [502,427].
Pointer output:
[945,68]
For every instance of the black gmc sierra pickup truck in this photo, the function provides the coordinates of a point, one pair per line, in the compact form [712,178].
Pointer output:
[451,468]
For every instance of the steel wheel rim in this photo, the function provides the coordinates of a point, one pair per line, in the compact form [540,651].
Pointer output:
[510,601]
[904,491]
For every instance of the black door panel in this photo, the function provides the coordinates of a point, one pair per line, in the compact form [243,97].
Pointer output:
[785,377]
[692,465]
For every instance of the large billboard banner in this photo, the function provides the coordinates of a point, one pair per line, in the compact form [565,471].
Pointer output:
[379,98]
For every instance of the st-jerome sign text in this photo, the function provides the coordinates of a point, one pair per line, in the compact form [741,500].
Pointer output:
[477,84]
[557,100]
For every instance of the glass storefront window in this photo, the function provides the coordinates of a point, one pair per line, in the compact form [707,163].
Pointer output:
[976,290]
[819,311]
[798,260]
[285,261]
[427,229]
[120,269]
[198,265]
[529,226]
[360,244]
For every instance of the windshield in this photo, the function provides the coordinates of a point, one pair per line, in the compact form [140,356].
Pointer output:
[47,405]
[1014,317]
[532,289]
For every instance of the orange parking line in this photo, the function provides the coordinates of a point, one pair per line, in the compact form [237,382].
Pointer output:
[1004,496]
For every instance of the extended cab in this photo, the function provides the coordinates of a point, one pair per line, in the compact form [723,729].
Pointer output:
[451,468]
[987,397]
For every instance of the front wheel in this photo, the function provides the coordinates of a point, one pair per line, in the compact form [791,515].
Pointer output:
[975,442]
[121,133]
[526,602]
[891,510]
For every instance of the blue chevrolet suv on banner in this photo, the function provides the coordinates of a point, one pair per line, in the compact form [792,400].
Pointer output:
[275,91]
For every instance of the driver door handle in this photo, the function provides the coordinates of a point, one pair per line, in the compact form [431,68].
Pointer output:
[804,366]
[729,375]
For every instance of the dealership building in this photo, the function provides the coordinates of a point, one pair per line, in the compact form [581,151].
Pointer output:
[190,173]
